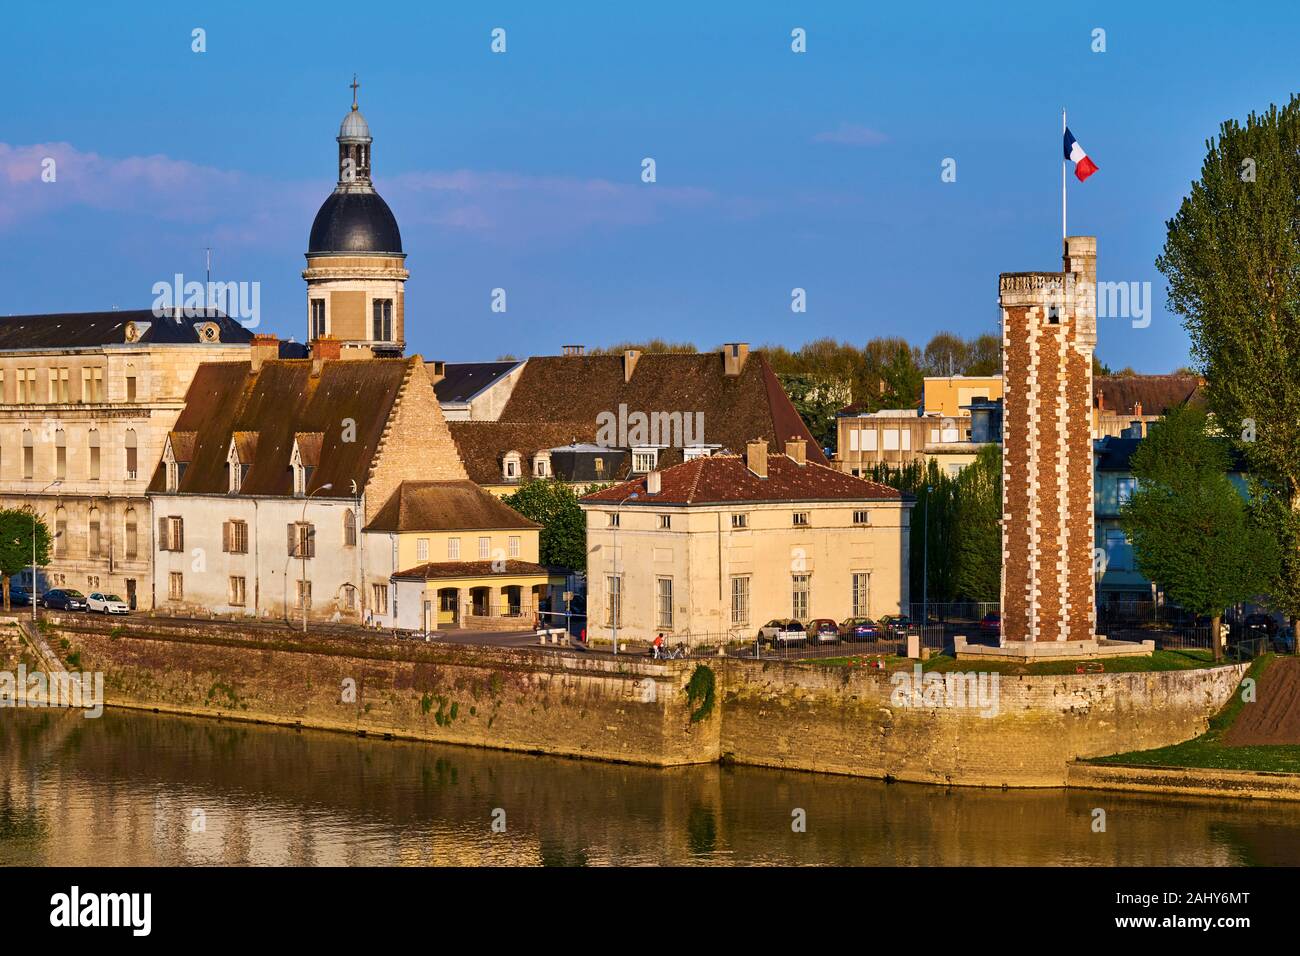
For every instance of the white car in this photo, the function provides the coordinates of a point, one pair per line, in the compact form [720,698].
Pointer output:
[106,603]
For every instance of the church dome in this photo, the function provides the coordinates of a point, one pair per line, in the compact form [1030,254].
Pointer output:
[354,126]
[355,222]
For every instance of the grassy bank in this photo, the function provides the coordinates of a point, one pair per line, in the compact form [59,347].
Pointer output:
[1208,751]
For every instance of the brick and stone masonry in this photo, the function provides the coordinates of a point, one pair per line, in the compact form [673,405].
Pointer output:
[1049,330]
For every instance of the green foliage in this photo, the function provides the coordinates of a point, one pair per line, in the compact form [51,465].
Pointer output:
[816,399]
[1232,258]
[1191,530]
[554,505]
[701,688]
[16,529]
[977,537]
[936,507]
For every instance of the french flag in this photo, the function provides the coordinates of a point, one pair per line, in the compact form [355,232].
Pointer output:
[1083,166]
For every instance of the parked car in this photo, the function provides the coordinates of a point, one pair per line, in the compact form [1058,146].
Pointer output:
[859,629]
[991,623]
[783,631]
[823,630]
[106,603]
[898,625]
[19,596]
[64,599]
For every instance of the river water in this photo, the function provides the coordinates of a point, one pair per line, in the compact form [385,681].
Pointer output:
[142,789]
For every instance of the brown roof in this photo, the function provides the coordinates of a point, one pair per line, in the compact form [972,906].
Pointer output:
[182,445]
[282,399]
[446,506]
[1156,393]
[465,569]
[557,400]
[246,447]
[720,479]
[309,446]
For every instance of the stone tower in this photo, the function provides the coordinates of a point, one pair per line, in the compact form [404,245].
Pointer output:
[1049,331]
[356,272]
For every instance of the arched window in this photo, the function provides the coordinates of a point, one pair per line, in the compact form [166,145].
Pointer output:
[60,531]
[92,537]
[132,534]
[349,528]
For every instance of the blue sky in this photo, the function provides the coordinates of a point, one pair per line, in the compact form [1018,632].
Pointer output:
[775,170]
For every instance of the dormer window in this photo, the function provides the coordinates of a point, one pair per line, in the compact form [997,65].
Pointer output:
[542,465]
[644,460]
[510,466]
[173,476]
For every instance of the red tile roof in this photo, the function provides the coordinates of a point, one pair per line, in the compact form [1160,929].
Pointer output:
[1156,393]
[721,479]
[467,569]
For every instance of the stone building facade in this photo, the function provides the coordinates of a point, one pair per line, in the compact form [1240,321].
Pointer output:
[1049,331]
[86,402]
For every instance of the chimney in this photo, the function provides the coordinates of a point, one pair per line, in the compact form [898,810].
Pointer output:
[1137,408]
[756,457]
[653,483]
[630,357]
[574,349]
[437,371]
[796,449]
[324,349]
[261,349]
[733,358]
[1101,400]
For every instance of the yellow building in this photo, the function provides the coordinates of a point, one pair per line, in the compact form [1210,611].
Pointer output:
[949,396]
[470,560]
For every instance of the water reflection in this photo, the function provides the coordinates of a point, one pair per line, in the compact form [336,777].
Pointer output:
[140,789]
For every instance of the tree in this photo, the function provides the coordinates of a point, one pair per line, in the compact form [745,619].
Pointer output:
[946,354]
[816,400]
[935,511]
[1191,530]
[977,536]
[1232,258]
[984,355]
[554,505]
[17,525]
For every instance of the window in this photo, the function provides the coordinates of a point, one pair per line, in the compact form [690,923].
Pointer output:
[349,597]
[869,440]
[131,454]
[92,582]
[800,519]
[171,533]
[317,318]
[380,598]
[92,543]
[92,385]
[740,521]
[644,461]
[613,600]
[510,465]
[664,602]
[130,388]
[29,455]
[860,607]
[302,539]
[175,586]
[383,325]
[740,600]
[422,550]
[59,391]
[799,597]
[60,455]
[541,466]
[132,536]
[453,549]
[93,442]
[612,518]
[934,436]
[906,436]
[484,548]
[890,439]
[665,522]
[349,529]
[862,517]
[235,537]
[173,475]
[299,480]
[853,439]
[237,592]
[23,394]
[514,546]
[303,594]
[1124,488]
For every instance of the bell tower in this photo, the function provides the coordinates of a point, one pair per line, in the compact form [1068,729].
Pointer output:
[356,269]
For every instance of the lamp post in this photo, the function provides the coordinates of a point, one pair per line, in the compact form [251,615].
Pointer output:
[32,594]
[302,546]
[617,609]
[925,560]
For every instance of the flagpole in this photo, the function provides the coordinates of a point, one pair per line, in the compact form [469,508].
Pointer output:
[1063,130]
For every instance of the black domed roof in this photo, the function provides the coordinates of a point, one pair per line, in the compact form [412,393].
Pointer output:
[354,222]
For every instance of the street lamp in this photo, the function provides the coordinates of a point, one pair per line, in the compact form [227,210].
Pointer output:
[302,546]
[925,559]
[32,594]
[617,609]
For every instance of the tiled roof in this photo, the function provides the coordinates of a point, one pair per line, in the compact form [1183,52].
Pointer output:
[1156,393]
[467,569]
[461,381]
[721,479]
[446,506]
[182,445]
[557,400]
[282,399]
[85,329]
